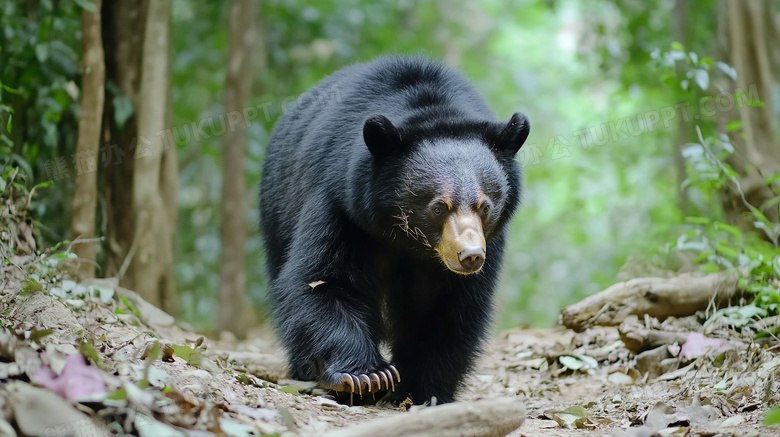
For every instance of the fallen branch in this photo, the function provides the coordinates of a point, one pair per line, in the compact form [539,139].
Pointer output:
[489,417]
[639,338]
[657,297]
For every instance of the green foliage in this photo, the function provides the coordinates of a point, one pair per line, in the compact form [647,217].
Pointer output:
[31,285]
[600,180]
[692,68]
[772,417]
[40,59]
[89,352]
[719,245]
[6,113]
[289,389]
[39,53]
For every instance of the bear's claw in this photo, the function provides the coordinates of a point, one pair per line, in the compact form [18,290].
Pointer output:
[372,382]
[375,380]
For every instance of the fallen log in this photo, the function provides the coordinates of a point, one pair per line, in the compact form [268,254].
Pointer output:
[679,296]
[483,418]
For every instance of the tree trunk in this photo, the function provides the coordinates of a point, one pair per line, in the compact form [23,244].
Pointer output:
[232,285]
[123,30]
[88,145]
[150,268]
[169,187]
[745,31]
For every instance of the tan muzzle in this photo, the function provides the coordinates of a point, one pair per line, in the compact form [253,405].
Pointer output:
[462,246]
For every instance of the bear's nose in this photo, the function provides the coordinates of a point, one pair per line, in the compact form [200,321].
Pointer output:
[471,258]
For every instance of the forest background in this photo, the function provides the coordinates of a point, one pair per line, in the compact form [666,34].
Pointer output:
[143,126]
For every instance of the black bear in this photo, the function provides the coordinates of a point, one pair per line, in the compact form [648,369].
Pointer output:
[386,194]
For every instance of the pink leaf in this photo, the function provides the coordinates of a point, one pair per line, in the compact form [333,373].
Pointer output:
[697,345]
[77,380]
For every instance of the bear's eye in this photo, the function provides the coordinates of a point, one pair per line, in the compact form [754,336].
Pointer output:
[437,209]
[486,209]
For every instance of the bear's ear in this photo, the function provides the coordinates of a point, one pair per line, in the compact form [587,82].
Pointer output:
[381,137]
[512,135]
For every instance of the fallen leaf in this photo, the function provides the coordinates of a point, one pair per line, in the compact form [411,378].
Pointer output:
[697,345]
[620,378]
[772,417]
[733,421]
[90,353]
[657,417]
[104,293]
[301,386]
[288,389]
[77,380]
[570,362]
[577,410]
[234,428]
[186,353]
[118,394]
[328,403]
[266,414]
[677,431]
[75,303]
[9,370]
[579,362]
[157,377]
[148,427]
[37,334]
[572,417]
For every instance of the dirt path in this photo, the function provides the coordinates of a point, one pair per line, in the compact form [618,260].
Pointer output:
[156,379]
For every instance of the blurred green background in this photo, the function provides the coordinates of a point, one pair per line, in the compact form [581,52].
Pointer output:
[602,180]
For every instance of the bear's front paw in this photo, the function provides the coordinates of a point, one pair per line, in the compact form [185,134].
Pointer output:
[382,379]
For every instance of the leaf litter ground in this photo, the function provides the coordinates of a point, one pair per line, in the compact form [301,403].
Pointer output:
[95,359]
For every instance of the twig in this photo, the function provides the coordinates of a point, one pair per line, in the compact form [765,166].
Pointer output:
[128,258]
[80,240]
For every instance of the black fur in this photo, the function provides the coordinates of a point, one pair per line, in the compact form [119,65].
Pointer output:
[349,176]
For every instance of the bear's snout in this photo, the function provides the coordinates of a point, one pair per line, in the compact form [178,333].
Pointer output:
[462,246]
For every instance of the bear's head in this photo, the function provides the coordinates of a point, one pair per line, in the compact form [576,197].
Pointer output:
[445,190]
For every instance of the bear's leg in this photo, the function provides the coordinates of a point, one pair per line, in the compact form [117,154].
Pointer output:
[436,348]
[327,313]
[330,333]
